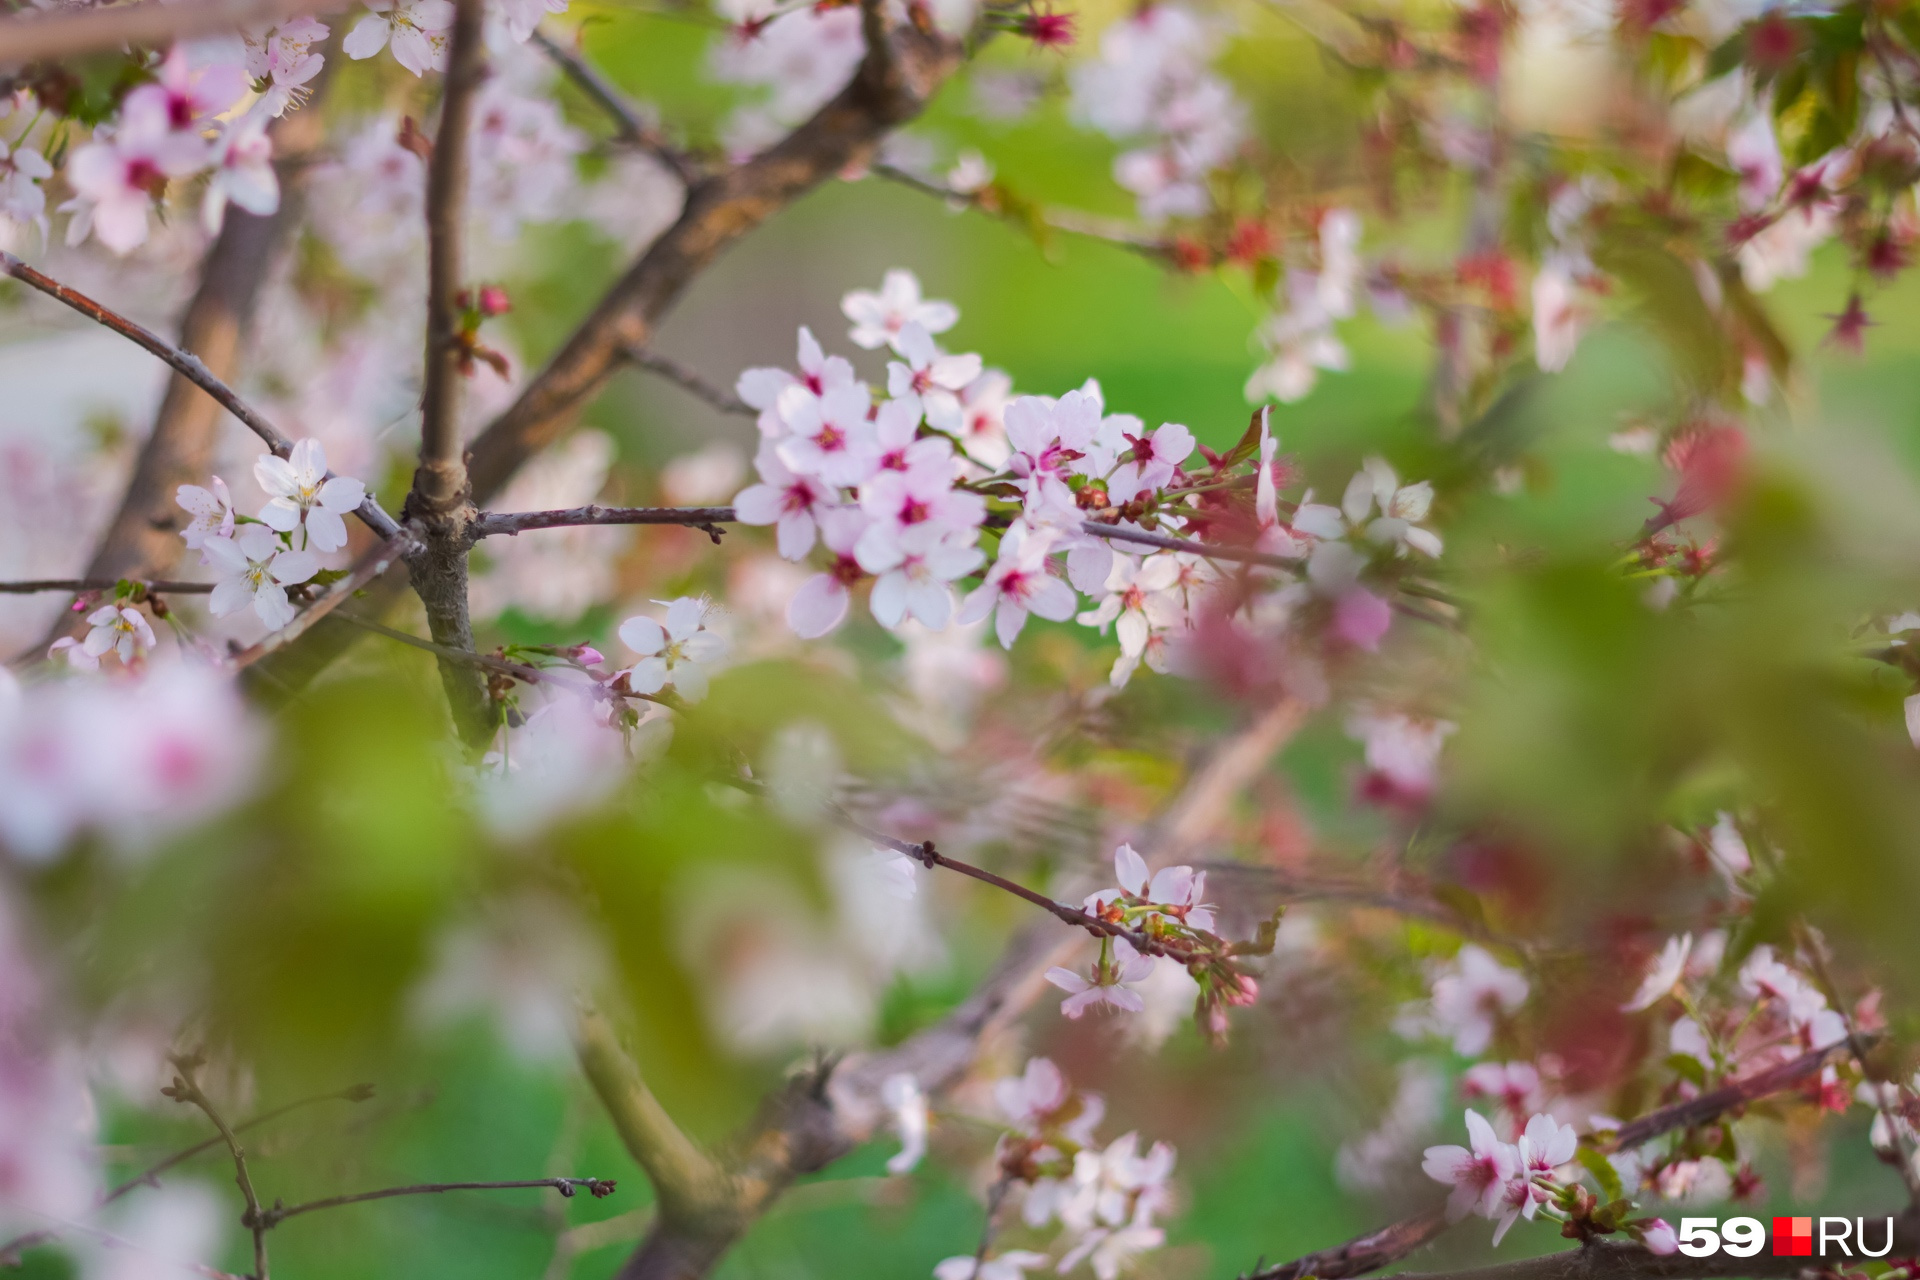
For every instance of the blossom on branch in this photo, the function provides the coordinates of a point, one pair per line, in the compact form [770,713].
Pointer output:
[256,568]
[676,653]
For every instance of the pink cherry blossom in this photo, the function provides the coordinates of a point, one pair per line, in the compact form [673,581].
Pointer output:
[1514,1085]
[1478,1173]
[830,435]
[930,380]
[281,57]
[116,179]
[880,319]
[1112,982]
[820,605]
[919,585]
[183,97]
[1019,584]
[1660,1239]
[819,373]
[786,499]
[1173,892]
[983,407]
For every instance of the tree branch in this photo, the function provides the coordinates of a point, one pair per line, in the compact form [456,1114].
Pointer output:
[1392,1243]
[491,524]
[629,127]
[900,72]
[600,1187]
[1063,220]
[153,586]
[689,381]
[187,365]
[185,1090]
[24,40]
[440,498]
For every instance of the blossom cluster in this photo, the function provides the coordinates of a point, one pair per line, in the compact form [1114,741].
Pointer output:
[1103,1200]
[902,488]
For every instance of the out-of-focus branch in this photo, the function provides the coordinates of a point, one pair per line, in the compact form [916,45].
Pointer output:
[599,1187]
[187,365]
[689,381]
[822,1113]
[153,586]
[492,524]
[1067,221]
[185,1090]
[902,68]
[69,32]
[440,501]
[1391,1243]
[629,127]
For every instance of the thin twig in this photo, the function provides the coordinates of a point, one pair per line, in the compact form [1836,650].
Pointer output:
[152,586]
[1213,551]
[600,1187]
[689,381]
[629,126]
[519,671]
[188,366]
[490,524]
[1063,220]
[149,1177]
[185,1090]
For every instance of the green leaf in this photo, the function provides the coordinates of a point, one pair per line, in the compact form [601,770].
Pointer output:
[1687,1068]
[1603,1172]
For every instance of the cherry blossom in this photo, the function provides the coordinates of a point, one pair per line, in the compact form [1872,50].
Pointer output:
[677,653]
[115,179]
[1011,1265]
[983,406]
[1805,1009]
[1478,1173]
[830,436]
[280,57]
[881,319]
[1113,981]
[803,57]
[1401,507]
[118,629]
[1300,342]
[1557,318]
[820,605]
[184,97]
[1033,1098]
[1139,600]
[212,512]
[243,171]
[522,16]
[1470,995]
[1017,584]
[1660,1238]
[792,502]
[302,495]
[1402,752]
[256,568]
[1110,1250]
[918,585]
[928,379]
[23,202]
[1155,459]
[1662,975]
[1172,894]
[417,29]
[1514,1085]
[901,1095]
[819,373]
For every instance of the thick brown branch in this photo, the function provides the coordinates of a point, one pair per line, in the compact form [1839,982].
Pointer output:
[25,40]
[599,1187]
[629,127]
[440,501]
[439,485]
[187,365]
[1392,1243]
[902,69]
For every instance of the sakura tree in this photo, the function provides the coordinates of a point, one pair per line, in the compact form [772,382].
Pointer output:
[951,792]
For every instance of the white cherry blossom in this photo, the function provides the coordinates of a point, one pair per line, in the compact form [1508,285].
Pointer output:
[212,512]
[1011,1265]
[677,653]
[256,569]
[301,494]
[881,319]
[1112,983]
[907,1106]
[417,29]
[1478,1173]
[242,171]
[1662,975]
[118,629]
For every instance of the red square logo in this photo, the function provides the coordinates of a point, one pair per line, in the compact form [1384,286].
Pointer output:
[1793,1237]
